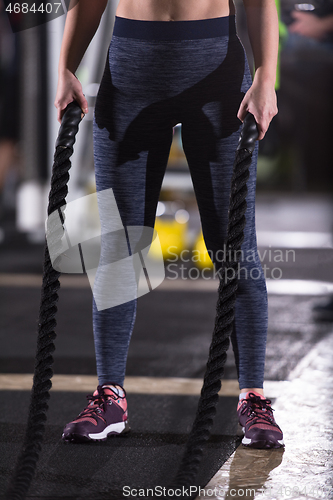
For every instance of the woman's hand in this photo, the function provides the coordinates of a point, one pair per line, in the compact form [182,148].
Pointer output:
[260,100]
[69,89]
[263,27]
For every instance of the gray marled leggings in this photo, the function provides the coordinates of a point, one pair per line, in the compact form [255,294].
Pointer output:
[159,74]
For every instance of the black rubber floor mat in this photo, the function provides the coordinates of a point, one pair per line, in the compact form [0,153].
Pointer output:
[147,457]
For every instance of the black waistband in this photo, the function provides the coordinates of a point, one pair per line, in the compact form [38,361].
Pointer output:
[174,30]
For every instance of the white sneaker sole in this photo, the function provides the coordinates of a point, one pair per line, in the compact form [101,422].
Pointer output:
[247,441]
[117,428]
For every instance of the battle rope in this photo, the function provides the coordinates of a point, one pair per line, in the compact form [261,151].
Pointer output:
[206,409]
[200,432]
[28,458]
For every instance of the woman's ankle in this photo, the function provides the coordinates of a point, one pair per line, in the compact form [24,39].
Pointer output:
[258,390]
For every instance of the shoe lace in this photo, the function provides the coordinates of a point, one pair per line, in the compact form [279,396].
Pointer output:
[98,401]
[258,408]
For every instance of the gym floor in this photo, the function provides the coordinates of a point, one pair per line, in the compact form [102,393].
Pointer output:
[166,362]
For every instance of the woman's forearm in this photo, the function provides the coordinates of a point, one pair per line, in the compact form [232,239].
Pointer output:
[82,21]
[263,28]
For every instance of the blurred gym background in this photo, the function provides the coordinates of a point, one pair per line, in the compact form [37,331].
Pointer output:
[174,323]
[295,163]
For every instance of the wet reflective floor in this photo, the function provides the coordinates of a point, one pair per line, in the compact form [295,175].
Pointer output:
[304,469]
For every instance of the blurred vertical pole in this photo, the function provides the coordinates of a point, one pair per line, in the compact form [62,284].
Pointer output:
[89,73]
[29,216]
[39,77]
[42,105]
[55,30]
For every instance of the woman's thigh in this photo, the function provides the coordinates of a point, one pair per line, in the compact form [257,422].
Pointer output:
[210,138]
[132,132]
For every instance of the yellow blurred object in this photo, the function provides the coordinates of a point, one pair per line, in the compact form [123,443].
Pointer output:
[177,155]
[200,254]
[172,236]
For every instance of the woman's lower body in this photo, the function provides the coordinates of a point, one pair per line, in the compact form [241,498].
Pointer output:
[158,74]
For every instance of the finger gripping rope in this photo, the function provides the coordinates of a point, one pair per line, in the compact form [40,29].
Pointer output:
[27,461]
[249,134]
[69,126]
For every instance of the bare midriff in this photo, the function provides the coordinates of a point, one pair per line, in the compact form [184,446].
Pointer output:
[174,10]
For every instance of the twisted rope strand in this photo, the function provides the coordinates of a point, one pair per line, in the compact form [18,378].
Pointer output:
[225,313]
[27,461]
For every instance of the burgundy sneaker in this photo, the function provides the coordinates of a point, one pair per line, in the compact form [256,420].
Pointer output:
[255,415]
[105,414]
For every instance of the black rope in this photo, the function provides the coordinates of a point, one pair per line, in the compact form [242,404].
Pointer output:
[43,373]
[27,461]
[225,312]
